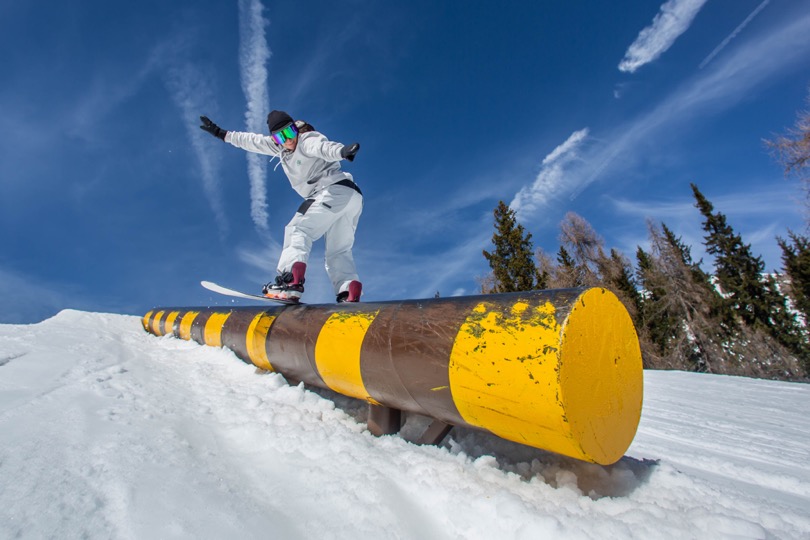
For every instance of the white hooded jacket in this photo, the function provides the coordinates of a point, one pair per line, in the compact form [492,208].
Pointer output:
[312,166]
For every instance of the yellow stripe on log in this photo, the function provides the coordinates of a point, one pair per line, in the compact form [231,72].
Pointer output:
[503,373]
[337,353]
[213,329]
[169,324]
[257,340]
[156,323]
[145,320]
[184,331]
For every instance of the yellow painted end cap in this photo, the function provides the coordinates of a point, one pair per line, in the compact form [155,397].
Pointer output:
[601,376]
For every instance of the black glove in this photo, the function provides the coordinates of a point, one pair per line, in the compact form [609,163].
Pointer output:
[348,152]
[212,128]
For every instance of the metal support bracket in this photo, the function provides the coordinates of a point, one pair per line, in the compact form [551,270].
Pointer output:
[435,433]
[384,420]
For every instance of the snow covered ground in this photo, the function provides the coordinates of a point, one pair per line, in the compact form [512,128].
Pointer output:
[109,432]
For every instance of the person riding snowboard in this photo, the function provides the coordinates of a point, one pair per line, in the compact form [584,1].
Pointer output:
[332,207]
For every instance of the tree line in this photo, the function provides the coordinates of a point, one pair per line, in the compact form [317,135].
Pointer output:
[735,320]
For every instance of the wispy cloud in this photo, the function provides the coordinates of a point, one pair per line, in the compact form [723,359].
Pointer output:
[458,261]
[551,175]
[672,21]
[770,201]
[731,36]
[749,213]
[253,56]
[710,92]
[192,93]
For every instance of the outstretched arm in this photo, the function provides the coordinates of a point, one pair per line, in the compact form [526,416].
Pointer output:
[317,145]
[252,142]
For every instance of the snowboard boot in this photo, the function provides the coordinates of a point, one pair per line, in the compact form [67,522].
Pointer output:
[352,294]
[289,285]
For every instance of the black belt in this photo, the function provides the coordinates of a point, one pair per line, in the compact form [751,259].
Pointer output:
[349,184]
[345,182]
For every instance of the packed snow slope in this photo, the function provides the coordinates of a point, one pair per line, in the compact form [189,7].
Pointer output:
[109,432]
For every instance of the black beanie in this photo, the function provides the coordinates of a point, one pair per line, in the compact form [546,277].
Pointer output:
[277,120]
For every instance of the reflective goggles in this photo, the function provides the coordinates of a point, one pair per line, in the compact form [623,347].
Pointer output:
[284,134]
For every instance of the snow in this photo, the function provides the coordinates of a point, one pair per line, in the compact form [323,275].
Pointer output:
[109,432]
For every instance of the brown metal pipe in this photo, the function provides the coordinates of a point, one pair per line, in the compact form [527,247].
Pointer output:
[558,370]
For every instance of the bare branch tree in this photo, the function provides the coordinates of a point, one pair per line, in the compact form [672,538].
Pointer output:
[792,150]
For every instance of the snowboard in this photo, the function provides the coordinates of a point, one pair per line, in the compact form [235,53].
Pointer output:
[238,294]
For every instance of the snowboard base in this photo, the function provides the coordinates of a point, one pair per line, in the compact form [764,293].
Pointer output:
[211,286]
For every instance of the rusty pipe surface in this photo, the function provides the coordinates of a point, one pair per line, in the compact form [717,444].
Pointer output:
[559,370]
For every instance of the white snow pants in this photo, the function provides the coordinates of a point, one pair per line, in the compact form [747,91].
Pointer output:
[333,213]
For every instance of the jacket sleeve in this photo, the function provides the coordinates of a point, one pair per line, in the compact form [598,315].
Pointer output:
[315,144]
[254,142]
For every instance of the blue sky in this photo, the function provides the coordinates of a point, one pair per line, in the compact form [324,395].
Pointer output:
[112,199]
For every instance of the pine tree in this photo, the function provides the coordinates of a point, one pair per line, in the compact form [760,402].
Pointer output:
[564,258]
[754,298]
[543,278]
[622,279]
[547,270]
[566,274]
[738,271]
[719,309]
[796,261]
[513,268]
[678,310]
[658,323]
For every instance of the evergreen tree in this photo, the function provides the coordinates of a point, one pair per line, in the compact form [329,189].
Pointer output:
[624,279]
[543,278]
[659,324]
[718,308]
[796,261]
[566,274]
[513,268]
[684,253]
[754,298]
[676,309]
[564,258]
[621,280]
[738,271]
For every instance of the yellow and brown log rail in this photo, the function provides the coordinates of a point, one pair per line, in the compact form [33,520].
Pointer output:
[558,370]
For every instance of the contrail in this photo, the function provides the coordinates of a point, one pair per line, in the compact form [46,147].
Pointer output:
[733,34]
[551,177]
[253,56]
[672,20]
[191,93]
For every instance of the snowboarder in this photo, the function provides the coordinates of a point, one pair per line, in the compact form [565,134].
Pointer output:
[332,207]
